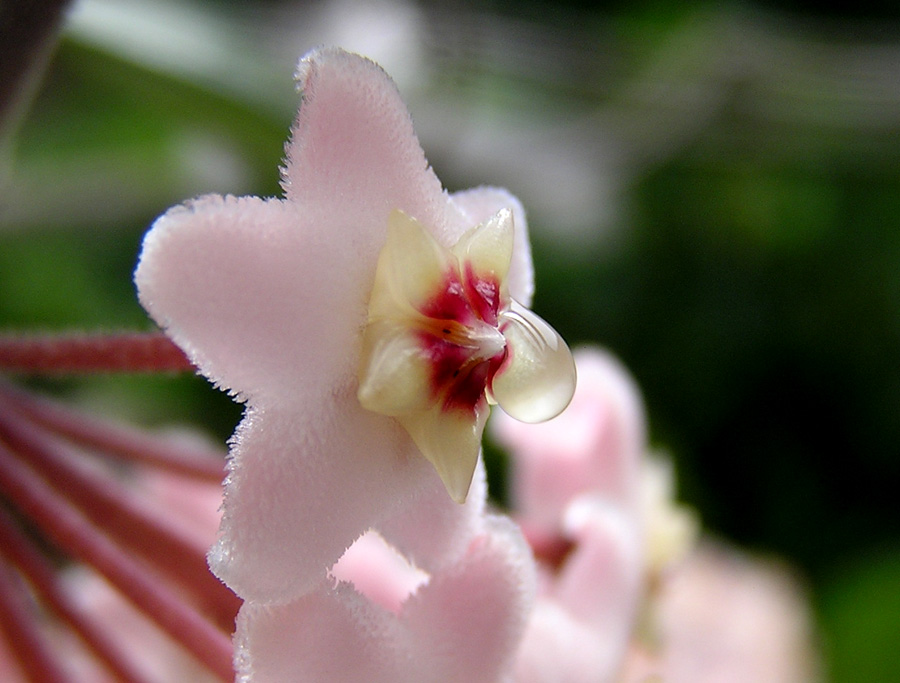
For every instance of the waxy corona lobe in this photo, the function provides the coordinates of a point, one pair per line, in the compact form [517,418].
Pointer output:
[444,340]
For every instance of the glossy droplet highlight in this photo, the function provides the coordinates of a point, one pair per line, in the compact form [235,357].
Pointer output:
[538,379]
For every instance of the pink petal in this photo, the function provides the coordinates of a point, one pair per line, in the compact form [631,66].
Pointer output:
[580,628]
[463,626]
[242,286]
[379,572]
[600,582]
[727,616]
[332,635]
[354,157]
[302,487]
[433,530]
[468,620]
[559,649]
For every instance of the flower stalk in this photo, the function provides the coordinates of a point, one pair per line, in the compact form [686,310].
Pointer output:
[91,353]
[34,653]
[117,440]
[39,572]
[76,482]
[73,532]
[140,529]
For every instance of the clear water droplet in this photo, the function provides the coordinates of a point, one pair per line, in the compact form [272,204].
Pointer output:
[538,381]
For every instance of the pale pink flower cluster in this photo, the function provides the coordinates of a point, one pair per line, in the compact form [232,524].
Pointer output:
[345,543]
[625,592]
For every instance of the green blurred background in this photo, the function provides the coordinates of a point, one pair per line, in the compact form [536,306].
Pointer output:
[713,193]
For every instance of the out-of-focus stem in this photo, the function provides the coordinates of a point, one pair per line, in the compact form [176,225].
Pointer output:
[91,353]
[73,533]
[142,529]
[27,35]
[42,576]
[112,438]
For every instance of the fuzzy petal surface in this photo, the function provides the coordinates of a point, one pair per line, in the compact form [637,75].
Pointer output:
[302,487]
[237,285]
[336,635]
[269,297]
[354,157]
[433,530]
[579,630]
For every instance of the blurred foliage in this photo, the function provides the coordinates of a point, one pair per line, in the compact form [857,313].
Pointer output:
[860,604]
[749,274]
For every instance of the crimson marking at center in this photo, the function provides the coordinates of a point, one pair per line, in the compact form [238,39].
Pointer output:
[458,376]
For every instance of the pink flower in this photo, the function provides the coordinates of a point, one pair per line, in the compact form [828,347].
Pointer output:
[444,339]
[726,617]
[624,596]
[576,489]
[270,298]
[368,320]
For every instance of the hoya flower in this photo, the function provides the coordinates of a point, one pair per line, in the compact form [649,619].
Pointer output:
[367,319]
[576,487]
[626,594]
[444,338]
[724,616]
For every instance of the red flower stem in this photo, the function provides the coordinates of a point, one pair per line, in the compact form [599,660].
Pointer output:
[74,534]
[23,633]
[131,522]
[115,439]
[92,353]
[20,551]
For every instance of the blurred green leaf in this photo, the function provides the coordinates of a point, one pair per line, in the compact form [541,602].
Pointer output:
[860,611]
